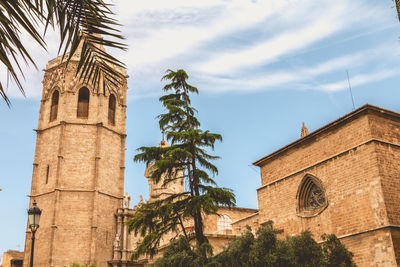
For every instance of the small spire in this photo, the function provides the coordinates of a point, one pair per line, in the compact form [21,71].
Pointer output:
[304,131]
[163,143]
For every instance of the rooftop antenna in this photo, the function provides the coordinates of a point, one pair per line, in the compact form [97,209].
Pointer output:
[251,167]
[351,93]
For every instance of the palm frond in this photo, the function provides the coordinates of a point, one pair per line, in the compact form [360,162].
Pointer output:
[83,24]
[16,17]
[89,25]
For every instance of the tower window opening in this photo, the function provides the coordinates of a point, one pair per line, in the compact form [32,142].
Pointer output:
[111,109]
[224,223]
[54,105]
[47,174]
[83,103]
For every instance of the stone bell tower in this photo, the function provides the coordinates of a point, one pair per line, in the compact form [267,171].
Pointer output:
[158,190]
[78,169]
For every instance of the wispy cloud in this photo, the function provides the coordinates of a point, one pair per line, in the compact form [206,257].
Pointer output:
[360,79]
[245,45]
[289,76]
[297,37]
[170,30]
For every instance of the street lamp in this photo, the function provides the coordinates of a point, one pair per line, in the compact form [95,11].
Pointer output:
[33,218]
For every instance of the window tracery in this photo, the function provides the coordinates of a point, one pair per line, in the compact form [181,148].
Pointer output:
[311,197]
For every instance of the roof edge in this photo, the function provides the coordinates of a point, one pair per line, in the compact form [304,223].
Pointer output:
[324,128]
[239,208]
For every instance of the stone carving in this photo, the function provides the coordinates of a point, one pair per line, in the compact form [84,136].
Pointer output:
[117,242]
[127,200]
[141,202]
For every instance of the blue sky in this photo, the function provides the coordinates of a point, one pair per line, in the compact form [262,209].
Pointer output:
[262,67]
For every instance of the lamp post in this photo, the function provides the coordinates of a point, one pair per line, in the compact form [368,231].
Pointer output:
[33,217]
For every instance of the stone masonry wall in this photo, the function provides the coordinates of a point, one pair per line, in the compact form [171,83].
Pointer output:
[396,243]
[373,248]
[316,148]
[388,156]
[360,178]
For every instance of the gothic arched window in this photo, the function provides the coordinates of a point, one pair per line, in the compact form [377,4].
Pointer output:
[83,103]
[311,198]
[224,223]
[54,105]
[111,109]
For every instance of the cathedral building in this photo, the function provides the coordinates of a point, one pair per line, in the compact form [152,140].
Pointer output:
[342,178]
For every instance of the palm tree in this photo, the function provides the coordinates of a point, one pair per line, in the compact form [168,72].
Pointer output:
[398,8]
[83,24]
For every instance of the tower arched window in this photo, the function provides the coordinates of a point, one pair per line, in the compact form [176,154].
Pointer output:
[83,103]
[111,109]
[54,105]
[311,198]
[224,223]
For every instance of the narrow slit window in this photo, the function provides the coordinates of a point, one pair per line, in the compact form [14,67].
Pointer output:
[47,174]
[111,109]
[54,105]
[83,103]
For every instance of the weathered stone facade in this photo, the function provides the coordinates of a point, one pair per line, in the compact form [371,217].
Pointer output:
[12,258]
[355,160]
[78,170]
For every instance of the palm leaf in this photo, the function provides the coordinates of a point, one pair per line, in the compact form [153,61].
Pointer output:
[87,24]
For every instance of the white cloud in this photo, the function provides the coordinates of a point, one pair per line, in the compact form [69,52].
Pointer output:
[272,80]
[174,29]
[360,79]
[270,50]
[300,35]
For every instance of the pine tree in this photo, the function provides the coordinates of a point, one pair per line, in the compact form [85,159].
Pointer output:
[188,155]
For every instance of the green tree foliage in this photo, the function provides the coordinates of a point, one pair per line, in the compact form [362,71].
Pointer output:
[181,254]
[335,253]
[187,158]
[264,249]
[77,21]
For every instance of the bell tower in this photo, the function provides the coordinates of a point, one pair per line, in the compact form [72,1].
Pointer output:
[78,169]
[158,191]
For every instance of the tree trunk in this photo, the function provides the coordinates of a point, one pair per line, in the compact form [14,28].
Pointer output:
[198,219]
